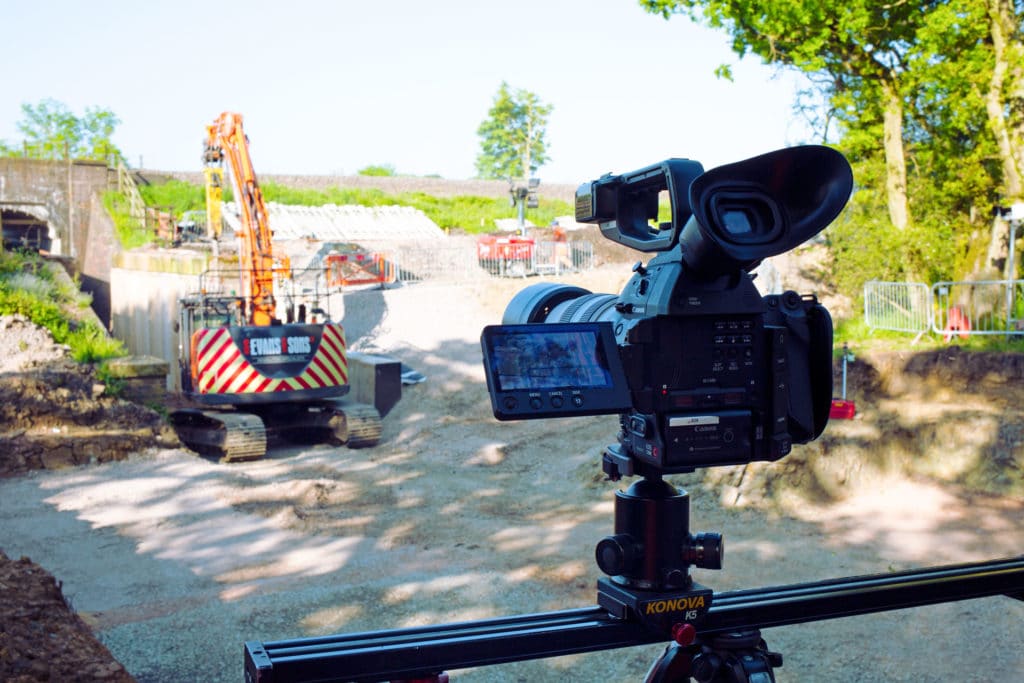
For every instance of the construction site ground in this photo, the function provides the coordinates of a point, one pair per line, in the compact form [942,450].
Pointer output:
[173,561]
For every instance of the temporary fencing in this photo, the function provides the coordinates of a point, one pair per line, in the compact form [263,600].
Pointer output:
[898,306]
[977,307]
[954,309]
[409,264]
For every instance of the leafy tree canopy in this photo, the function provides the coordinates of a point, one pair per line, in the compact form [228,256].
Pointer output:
[924,98]
[378,170]
[513,140]
[52,131]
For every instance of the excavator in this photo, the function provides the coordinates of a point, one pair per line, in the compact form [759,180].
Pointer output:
[258,353]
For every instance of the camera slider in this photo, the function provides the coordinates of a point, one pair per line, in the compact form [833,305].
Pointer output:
[411,653]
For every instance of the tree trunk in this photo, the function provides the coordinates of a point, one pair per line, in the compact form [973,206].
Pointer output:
[1001,28]
[895,161]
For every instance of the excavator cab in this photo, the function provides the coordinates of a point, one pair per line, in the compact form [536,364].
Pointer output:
[289,378]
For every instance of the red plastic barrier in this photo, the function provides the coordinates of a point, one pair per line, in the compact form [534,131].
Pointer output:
[957,323]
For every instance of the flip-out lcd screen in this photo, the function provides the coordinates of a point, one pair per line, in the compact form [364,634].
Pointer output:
[553,370]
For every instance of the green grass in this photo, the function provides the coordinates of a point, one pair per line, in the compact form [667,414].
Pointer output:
[177,196]
[858,335]
[129,233]
[472,214]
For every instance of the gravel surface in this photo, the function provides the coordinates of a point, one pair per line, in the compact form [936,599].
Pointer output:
[176,561]
[23,344]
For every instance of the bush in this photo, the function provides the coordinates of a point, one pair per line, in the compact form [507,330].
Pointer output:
[380,170]
[90,344]
[28,289]
[129,233]
[177,196]
[40,311]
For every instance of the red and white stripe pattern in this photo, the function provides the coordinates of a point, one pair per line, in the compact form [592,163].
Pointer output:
[221,368]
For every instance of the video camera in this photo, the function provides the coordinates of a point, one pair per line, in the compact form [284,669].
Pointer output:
[703,370]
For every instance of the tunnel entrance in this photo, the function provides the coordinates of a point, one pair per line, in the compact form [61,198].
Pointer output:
[22,230]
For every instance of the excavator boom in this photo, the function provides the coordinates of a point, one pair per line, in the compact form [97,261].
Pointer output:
[226,139]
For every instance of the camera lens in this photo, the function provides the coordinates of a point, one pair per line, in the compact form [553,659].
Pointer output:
[548,302]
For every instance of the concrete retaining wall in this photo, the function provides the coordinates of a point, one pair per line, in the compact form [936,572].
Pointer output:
[145,287]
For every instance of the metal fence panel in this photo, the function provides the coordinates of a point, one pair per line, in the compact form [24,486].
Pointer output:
[461,263]
[979,307]
[555,258]
[410,264]
[898,306]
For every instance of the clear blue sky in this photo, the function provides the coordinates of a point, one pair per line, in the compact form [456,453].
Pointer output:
[331,87]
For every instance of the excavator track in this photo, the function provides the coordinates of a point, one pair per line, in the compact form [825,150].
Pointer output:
[357,425]
[228,436]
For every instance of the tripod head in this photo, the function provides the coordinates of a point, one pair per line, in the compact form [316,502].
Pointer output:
[648,558]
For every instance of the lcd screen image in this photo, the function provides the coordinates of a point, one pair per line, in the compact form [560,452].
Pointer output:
[549,361]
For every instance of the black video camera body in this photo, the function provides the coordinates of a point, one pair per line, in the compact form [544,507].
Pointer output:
[702,369]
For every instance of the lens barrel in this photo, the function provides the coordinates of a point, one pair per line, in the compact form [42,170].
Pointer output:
[547,302]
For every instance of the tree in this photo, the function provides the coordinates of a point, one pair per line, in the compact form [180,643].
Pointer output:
[927,98]
[857,47]
[512,142]
[1004,98]
[52,131]
[378,170]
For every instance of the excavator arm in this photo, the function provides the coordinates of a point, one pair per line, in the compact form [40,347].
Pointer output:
[226,140]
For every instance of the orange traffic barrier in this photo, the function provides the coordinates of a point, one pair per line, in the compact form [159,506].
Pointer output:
[957,323]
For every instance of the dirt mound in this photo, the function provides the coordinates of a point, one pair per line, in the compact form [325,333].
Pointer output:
[59,415]
[34,612]
[946,415]
[55,413]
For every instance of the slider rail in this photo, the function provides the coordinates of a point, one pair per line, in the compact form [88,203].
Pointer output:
[423,651]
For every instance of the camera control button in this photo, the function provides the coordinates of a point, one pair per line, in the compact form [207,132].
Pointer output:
[556,401]
[536,403]
[510,403]
[577,401]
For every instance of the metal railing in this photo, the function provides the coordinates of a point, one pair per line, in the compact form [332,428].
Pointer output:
[409,264]
[898,306]
[952,308]
[555,258]
[979,307]
[127,187]
[538,258]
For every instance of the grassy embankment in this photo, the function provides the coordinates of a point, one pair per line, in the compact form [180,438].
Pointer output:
[28,287]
